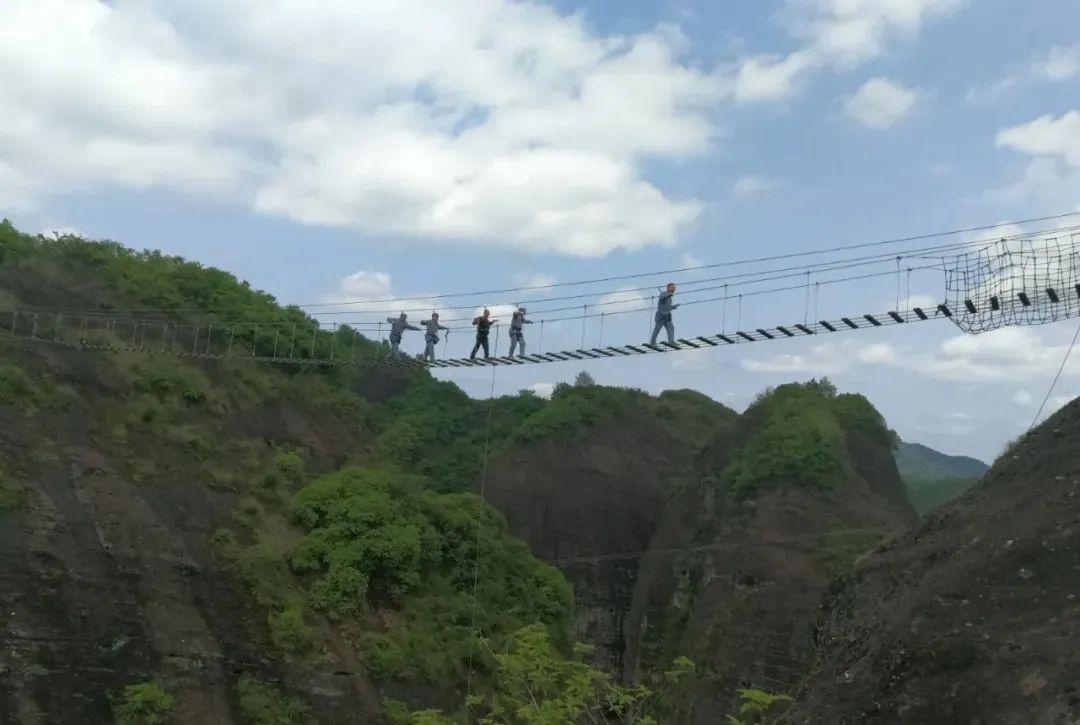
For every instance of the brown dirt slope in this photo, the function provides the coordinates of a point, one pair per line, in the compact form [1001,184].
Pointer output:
[974,617]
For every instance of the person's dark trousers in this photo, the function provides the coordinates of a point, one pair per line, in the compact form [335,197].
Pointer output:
[480,342]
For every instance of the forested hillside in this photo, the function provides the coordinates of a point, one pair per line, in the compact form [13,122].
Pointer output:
[233,541]
[934,478]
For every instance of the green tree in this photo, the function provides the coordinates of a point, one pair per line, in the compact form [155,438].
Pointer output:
[534,684]
[584,380]
[146,703]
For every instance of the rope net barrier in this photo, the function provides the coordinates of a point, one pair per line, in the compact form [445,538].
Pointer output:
[1018,281]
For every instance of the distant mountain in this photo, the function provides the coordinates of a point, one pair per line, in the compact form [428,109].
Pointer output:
[934,478]
[918,461]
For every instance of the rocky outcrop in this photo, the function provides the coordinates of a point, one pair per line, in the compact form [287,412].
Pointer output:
[975,616]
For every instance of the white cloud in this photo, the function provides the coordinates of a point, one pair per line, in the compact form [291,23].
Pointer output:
[535,280]
[828,358]
[836,33]
[543,390]
[1046,136]
[1004,355]
[767,77]
[688,260]
[60,230]
[879,103]
[925,302]
[623,300]
[495,122]
[877,354]
[1052,177]
[1060,64]
[1023,398]
[364,285]
[746,187]
[848,32]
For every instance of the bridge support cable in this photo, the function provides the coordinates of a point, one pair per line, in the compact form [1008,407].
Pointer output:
[324,350]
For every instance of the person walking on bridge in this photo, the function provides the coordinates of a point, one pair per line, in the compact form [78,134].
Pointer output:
[517,332]
[664,307]
[431,336]
[398,325]
[483,325]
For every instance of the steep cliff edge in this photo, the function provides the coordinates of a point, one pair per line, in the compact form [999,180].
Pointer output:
[718,546]
[973,617]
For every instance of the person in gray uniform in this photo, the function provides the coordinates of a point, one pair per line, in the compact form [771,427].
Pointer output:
[664,307]
[517,332]
[431,336]
[398,325]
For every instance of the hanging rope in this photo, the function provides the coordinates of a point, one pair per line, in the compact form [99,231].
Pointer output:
[1054,383]
[648,316]
[600,342]
[479,528]
[806,307]
[541,336]
[897,284]
[723,314]
[584,321]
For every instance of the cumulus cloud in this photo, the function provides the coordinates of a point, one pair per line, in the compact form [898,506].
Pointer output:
[363,286]
[879,103]
[1060,63]
[496,122]
[1046,136]
[1006,354]
[1052,176]
[835,33]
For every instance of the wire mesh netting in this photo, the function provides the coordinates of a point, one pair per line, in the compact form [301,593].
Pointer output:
[1021,281]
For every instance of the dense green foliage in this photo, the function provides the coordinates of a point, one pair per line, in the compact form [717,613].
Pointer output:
[573,409]
[797,436]
[146,703]
[263,704]
[379,539]
[436,430]
[535,684]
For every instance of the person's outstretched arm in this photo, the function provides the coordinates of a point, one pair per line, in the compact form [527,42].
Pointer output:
[411,327]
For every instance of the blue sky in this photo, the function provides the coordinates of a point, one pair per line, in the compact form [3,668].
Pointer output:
[382,149]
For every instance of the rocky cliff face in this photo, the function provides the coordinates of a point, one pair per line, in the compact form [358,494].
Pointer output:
[975,616]
[666,561]
[107,578]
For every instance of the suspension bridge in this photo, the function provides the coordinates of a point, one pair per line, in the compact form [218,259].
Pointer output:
[1021,279]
